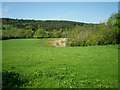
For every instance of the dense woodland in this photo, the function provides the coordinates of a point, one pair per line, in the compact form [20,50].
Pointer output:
[77,33]
[19,28]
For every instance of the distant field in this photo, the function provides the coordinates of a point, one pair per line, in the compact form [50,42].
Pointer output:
[44,66]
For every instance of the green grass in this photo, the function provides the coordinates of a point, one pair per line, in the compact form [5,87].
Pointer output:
[61,67]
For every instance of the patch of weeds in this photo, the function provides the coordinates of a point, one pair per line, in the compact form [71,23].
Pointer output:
[38,73]
[91,82]
[60,76]
[68,83]
[51,73]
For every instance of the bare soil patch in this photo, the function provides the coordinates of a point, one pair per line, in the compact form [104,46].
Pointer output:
[58,42]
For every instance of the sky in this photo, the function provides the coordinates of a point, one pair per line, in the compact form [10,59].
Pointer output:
[89,12]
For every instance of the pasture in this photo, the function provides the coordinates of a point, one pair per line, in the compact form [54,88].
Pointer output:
[44,66]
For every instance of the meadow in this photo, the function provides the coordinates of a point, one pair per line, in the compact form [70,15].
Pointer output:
[36,64]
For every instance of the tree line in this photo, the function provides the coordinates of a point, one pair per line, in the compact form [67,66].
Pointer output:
[19,28]
[77,33]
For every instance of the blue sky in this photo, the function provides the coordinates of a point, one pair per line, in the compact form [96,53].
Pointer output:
[90,12]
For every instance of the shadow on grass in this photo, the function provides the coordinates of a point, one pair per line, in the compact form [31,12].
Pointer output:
[12,80]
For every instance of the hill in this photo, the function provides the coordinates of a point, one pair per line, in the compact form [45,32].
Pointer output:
[48,25]
[19,28]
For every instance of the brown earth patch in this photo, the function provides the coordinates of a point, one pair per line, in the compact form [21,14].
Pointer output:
[57,42]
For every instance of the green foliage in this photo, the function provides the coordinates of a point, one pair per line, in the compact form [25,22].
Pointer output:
[16,33]
[102,34]
[37,28]
[12,80]
[78,34]
[48,25]
[40,33]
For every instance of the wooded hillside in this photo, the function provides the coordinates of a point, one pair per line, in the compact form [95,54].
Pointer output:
[19,28]
[78,33]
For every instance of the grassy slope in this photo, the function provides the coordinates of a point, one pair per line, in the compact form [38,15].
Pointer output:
[91,66]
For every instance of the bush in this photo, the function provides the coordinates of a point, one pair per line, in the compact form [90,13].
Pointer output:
[102,34]
[12,80]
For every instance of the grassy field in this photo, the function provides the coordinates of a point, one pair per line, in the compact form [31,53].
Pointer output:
[43,66]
